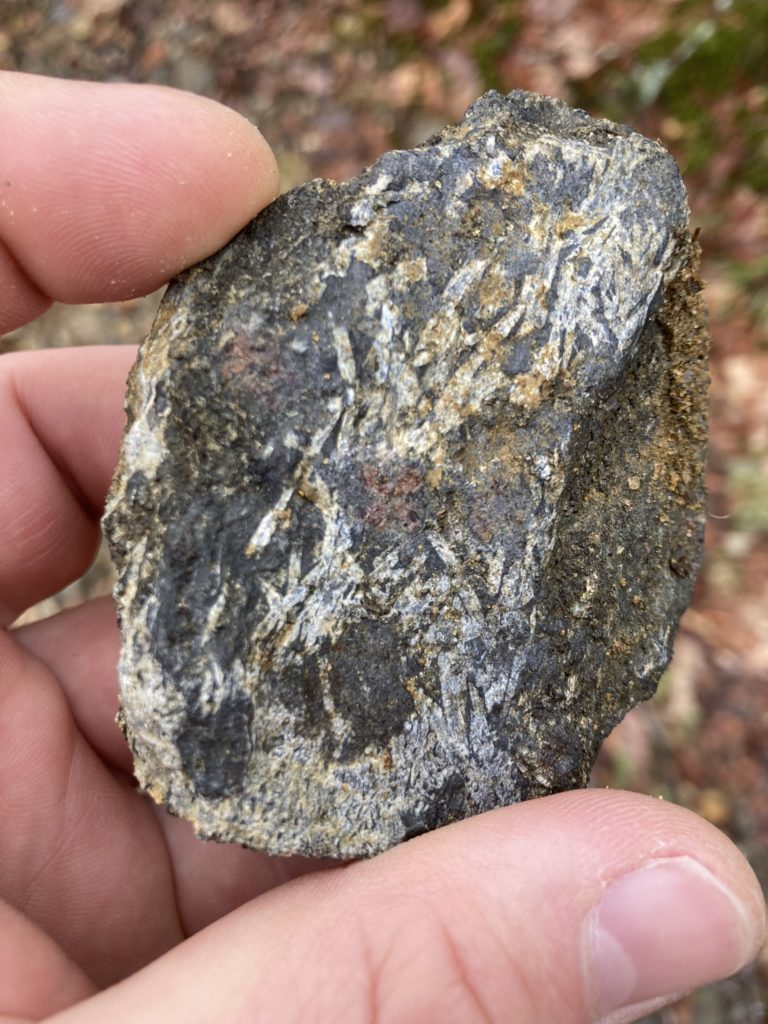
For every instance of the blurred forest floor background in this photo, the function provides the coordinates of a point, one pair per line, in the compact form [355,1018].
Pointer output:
[332,84]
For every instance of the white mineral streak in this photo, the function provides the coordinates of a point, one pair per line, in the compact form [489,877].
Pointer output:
[606,248]
[144,450]
[344,357]
[263,532]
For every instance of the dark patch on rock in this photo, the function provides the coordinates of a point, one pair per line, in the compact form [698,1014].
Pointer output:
[214,747]
[367,671]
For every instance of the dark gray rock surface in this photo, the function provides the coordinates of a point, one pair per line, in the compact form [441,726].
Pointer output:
[410,497]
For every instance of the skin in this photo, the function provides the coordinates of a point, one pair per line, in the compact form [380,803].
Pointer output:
[109,908]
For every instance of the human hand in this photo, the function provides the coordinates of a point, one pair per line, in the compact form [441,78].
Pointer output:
[558,910]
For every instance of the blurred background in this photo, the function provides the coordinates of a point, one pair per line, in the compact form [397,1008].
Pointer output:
[332,84]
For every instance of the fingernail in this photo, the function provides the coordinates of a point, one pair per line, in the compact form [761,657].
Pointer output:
[668,927]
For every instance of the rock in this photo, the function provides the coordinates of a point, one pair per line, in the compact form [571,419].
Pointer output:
[410,497]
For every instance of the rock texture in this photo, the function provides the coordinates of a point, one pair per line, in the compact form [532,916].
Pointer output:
[410,497]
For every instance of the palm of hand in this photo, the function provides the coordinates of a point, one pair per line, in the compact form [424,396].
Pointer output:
[115,880]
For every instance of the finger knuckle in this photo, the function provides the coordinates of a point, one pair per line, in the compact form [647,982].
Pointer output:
[420,970]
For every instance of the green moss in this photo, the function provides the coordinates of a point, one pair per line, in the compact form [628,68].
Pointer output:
[663,791]
[751,278]
[700,59]
[356,29]
[707,71]
[622,770]
[503,25]
[753,128]
[748,490]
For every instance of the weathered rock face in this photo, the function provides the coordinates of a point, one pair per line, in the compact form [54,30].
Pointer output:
[410,497]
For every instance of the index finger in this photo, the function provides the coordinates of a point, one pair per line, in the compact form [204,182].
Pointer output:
[108,190]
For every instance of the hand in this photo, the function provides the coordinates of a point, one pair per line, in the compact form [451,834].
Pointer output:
[559,910]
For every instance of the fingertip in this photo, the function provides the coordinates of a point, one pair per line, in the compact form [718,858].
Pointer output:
[636,826]
[261,174]
[111,189]
[220,174]
[667,926]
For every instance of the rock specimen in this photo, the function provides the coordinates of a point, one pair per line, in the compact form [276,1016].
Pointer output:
[410,496]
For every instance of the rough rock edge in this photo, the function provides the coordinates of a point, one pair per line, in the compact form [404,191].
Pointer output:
[680,318]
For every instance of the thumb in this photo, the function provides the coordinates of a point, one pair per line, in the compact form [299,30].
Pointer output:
[576,908]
